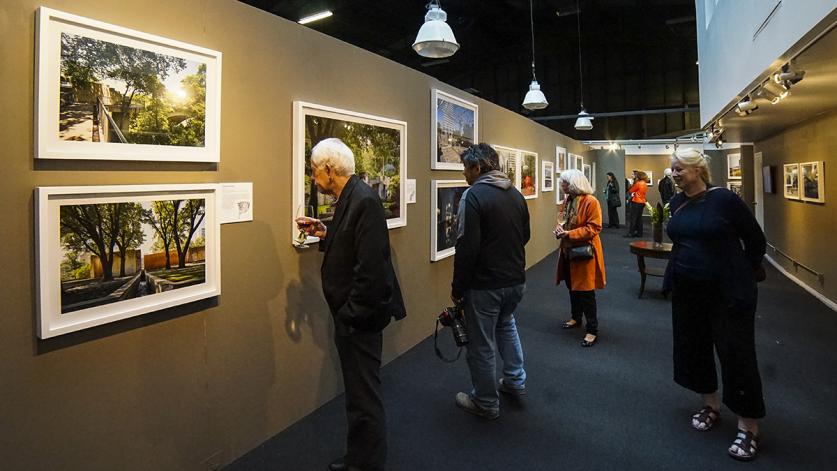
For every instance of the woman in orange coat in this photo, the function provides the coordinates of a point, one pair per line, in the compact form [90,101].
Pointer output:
[579,224]
[638,193]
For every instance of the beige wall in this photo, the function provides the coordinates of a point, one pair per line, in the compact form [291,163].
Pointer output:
[200,385]
[804,230]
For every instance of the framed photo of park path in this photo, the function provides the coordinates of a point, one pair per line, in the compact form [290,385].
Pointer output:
[106,253]
[380,149]
[454,128]
[110,93]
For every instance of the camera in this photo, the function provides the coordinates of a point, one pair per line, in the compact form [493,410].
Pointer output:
[454,317]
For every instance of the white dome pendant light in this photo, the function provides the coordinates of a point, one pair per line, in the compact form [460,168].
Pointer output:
[584,121]
[534,99]
[435,39]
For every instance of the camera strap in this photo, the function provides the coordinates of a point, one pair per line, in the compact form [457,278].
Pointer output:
[439,352]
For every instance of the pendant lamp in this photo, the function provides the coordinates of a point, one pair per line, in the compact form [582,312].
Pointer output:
[435,39]
[584,121]
[534,99]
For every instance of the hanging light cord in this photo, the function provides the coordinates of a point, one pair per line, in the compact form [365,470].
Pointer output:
[580,76]
[532,28]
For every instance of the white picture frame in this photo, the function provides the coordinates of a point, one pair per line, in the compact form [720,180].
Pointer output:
[76,118]
[790,181]
[560,196]
[560,159]
[395,205]
[547,176]
[579,162]
[445,196]
[587,170]
[510,163]
[66,285]
[456,121]
[736,186]
[528,181]
[734,166]
[812,181]
[593,175]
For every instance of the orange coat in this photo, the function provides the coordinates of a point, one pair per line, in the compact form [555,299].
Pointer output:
[639,190]
[589,274]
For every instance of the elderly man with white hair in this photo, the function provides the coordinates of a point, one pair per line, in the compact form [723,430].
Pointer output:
[666,186]
[362,293]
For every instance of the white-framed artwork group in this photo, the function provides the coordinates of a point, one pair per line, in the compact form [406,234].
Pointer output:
[547,176]
[454,128]
[104,92]
[804,181]
[106,253]
[445,197]
[379,146]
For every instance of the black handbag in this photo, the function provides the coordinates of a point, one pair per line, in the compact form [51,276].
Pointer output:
[582,252]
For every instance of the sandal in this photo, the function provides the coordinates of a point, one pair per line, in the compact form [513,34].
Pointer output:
[571,324]
[704,419]
[745,446]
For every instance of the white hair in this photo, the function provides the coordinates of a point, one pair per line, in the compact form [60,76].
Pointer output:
[336,154]
[579,185]
[667,171]
[693,158]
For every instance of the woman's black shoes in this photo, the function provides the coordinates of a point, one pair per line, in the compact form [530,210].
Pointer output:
[571,324]
[589,343]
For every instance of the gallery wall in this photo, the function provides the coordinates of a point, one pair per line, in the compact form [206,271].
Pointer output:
[802,229]
[196,386]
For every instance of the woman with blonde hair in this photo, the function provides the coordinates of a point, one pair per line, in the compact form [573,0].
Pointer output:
[580,259]
[712,274]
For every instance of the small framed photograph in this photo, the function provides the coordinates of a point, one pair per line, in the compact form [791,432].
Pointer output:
[587,170]
[510,163]
[560,196]
[767,179]
[791,181]
[444,219]
[454,128]
[812,186]
[593,175]
[111,93]
[560,158]
[529,175]
[733,166]
[735,187]
[106,253]
[547,176]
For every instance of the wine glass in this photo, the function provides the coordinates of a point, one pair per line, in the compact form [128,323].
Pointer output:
[302,237]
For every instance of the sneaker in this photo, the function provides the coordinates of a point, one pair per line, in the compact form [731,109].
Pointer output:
[505,388]
[467,404]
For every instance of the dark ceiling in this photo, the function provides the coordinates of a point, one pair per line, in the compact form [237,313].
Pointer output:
[636,55]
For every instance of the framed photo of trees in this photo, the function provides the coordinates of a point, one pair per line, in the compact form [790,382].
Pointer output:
[380,149]
[111,93]
[106,253]
[454,128]
[445,197]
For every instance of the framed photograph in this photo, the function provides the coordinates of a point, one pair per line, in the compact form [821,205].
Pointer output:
[593,175]
[106,253]
[735,187]
[110,93]
[579,162]
[380,149]
[733,166]
[444,221]
[454,128]
[767,179]
[560,159]
[588,172]
[560,196]
[547,176]
[791,181]
[529,175]
[510,163]
[812,182]
[650,177]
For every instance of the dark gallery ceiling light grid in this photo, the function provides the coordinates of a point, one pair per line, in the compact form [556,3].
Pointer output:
[637,55]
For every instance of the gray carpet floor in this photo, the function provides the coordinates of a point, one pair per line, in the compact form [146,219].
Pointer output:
[613,406]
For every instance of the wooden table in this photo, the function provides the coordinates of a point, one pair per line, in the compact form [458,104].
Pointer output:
[650,249]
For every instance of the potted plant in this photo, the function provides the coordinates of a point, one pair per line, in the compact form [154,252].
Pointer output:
[659,215]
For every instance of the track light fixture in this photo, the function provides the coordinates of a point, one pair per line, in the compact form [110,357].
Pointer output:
[788,76]
[746,106]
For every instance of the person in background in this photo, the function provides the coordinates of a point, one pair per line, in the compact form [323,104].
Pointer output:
[638,192]
[614,200]
[666,187]
[715,264]
[362,293]
[579,224]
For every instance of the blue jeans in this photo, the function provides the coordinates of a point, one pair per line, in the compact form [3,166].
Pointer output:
[490,317]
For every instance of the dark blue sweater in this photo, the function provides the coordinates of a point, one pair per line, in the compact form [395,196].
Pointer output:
[716,238]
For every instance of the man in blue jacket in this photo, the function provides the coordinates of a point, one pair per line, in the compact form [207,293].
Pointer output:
[489,276]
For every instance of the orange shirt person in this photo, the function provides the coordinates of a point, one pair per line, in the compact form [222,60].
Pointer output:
[638,192]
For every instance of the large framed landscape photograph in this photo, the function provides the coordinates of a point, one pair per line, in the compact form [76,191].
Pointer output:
[111,93]
[529,175]
[106,253]
[380,149]
[444,222]
[454,128]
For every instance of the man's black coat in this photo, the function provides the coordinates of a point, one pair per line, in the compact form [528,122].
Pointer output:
[359,282]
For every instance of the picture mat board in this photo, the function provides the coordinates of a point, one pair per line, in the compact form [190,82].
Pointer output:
[528,168]
[50,25]
[303,110]
[547,176]
[790,181]
[463,107]
[440,191]
[812,182]
[49,254]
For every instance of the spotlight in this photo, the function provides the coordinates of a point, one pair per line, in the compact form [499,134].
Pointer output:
[787,76]
[746,106]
